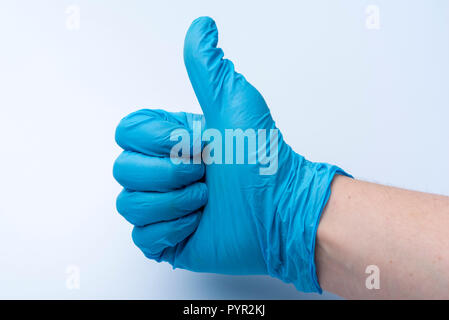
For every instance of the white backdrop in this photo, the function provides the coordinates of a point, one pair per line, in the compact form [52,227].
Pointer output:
[365,87]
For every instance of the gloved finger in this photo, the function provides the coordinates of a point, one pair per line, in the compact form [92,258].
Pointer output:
[155,238]
[205,65]
[148,131]
[136,171]
[142,208]
[219,88]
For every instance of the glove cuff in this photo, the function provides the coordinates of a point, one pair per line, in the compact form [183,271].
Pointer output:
[297,220]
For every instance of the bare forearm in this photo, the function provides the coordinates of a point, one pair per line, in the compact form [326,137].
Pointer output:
[403,233]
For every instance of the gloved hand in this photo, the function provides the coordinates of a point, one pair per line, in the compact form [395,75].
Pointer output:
[220,218]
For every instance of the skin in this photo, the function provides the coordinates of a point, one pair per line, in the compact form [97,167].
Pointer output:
[404,233]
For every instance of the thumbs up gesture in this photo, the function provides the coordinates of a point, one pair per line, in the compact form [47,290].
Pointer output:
[220,192]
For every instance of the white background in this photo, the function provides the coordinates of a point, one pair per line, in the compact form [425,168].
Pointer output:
[375,102]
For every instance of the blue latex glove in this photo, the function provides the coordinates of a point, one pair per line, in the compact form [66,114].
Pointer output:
[220,218]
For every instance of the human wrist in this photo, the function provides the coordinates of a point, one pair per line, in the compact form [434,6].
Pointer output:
[329,249]
[301,205]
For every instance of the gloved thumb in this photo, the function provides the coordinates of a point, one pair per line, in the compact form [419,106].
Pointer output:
[220,90]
